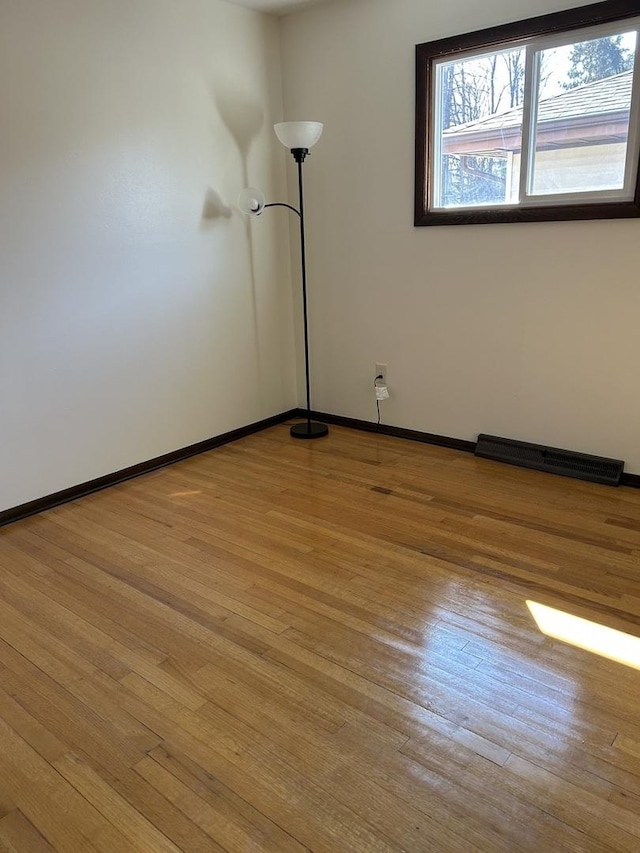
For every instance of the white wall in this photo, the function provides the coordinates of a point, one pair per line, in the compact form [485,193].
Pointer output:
[132,322]
[524,330]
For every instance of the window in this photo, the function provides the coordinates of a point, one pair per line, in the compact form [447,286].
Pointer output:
[538,120]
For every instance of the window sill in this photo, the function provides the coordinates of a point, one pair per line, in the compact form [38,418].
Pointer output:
[488,216]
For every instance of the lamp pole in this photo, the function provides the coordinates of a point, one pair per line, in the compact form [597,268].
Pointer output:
[303,258]
[308,429]
[298,137]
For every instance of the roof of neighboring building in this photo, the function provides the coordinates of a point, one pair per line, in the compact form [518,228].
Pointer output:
[610,96]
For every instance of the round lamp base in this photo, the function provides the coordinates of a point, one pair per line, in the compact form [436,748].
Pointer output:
[309,430]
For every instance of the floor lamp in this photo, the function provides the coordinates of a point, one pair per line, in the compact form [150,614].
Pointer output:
[299,137]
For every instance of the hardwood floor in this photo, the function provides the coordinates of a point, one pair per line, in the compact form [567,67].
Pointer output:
[288,646]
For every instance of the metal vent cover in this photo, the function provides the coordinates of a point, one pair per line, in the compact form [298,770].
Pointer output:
[568,463]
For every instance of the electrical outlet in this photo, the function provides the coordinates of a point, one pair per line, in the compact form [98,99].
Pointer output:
[381,370]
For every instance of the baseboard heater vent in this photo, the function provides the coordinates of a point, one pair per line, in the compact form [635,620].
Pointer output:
[551,459]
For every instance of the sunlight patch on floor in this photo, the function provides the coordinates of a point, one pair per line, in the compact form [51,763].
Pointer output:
[607,642]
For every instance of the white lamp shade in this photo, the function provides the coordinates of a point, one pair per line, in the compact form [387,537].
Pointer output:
[299,134]
[251,201]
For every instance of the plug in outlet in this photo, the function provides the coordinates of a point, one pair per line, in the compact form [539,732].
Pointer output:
[381,373]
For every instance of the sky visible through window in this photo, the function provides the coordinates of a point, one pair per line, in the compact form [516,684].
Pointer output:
[558,61]
[504,71]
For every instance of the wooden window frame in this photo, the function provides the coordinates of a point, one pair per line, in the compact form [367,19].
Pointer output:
[609,11]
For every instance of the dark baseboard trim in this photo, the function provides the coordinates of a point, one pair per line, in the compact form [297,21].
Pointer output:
[17,513]
[8,516]
[630,480]
[397,432]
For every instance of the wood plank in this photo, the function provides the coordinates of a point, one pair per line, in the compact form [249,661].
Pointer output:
[18,835]
[50,804]
[133,826]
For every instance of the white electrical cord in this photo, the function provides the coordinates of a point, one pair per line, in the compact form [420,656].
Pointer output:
[382,393]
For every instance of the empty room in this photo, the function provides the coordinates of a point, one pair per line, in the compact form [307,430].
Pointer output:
[320,426]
